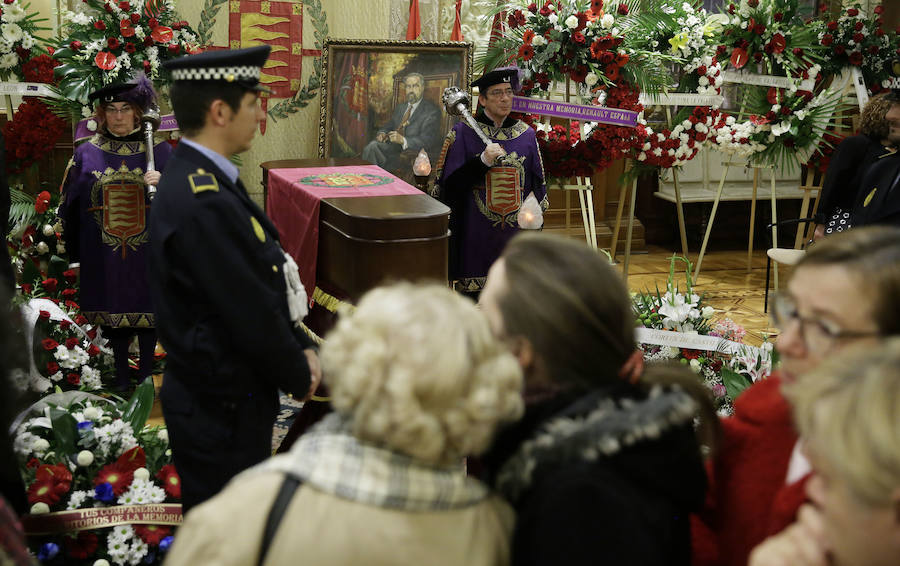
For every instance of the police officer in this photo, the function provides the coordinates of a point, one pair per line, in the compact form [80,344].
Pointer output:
[228,299]
[879,195]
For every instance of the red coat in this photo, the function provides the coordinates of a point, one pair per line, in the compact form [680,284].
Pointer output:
[748,499]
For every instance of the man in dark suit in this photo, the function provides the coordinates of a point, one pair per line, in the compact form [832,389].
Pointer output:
[413,126]
[879,196]
[228,300]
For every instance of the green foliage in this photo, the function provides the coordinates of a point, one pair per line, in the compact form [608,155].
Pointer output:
[65,430]
[208,20]
[308,92]
[136,410]
[734,382]
[21,211]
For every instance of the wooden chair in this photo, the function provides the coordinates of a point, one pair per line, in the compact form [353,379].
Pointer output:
[811,183]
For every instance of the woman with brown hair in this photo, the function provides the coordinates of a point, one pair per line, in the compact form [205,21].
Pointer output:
[605,466]
[848,166]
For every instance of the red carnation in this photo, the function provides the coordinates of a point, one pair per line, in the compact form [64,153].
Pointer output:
[124,6]
[81,320]
[532,8]
[170,480]
[827,39]
[135,18]
[42,202]
[73,378]
[623,9]
[64,324]
[82,546]
[93,350]
[26,288]
[856,58]
[858,37]
[52,367]
[832,26]
[853,12]
[76,45]
[174,48]
[152,23]
[49,285]
[44,315]
[578,38]
[126,29]
[71,342]
[100,25]
[72,305]
[112,42]
[130,48]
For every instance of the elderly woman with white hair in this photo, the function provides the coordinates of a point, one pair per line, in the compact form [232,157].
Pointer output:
[418,382]
[848,413]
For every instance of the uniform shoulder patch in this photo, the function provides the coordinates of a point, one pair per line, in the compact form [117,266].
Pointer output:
[202,181]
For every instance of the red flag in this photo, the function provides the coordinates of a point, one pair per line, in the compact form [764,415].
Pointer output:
[457,35]
[497,25]
[414,29]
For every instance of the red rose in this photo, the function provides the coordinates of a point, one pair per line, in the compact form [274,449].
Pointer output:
[152,23]
[879,10]
[108,8]
[124,6]
[64,324]
[130,48]
[49,344]
[623,9]
[69,293]
[839,50]
[858,26]
[532,8]
[71,342]
[827,39]
[852,12]
[858,37]
[73,378]
[856,58]
[759,29]
[52,367]
[174,48]
[785,110]
[26,288]
[70,276]
[832,26]
[81,320]
[753,3]
[75,45]
[44,315]
[135,18]
[100,25]
[125,28]
[778,16]
[112,42]
[72,305]
[578,38]
[93,350]
[49,285]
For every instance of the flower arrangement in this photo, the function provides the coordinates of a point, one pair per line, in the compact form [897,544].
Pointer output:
[771,35]
[108,41]
[676,146]
[857,40]
[728,367]
[68,353]
[35,235]
[31,134]
[19,35]
[101,485]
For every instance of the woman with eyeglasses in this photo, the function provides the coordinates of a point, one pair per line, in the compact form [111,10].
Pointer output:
[845,290]
[104,211]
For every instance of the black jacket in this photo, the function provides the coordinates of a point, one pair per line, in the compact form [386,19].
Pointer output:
[218,287]
[849,165]
[607,477]
[878,201]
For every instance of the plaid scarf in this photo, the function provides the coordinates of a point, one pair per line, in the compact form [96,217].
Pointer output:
[331,460]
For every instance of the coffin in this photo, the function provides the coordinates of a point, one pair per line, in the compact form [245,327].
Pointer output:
[366,241]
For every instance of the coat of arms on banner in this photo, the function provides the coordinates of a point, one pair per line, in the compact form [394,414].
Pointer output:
[120,207]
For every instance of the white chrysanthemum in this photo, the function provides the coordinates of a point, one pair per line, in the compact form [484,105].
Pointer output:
[23,445]
[11,32]
[8,60]
[77,499]
[137,552]
[163,435]
[90,378]
[13,13]
[27,41]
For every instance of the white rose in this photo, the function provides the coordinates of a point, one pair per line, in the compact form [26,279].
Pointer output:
[101,562]
[169,452]
[707,312]
[607,21]
[163,435]
[553,18]
[572,22]
[48,230]
[85,458]
[538,41]
[92,413]
[40,508]
[695,365]
[42,247]
[40,445]
[591,79]
[142,474]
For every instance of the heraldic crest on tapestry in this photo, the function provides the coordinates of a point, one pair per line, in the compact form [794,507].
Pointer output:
[119,207]
[503,190]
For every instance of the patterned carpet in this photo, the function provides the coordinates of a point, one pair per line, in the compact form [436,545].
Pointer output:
[289,409]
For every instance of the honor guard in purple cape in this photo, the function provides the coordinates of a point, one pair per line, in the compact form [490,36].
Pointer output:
[878,198]
[229,301]
[484,186]
[104,210]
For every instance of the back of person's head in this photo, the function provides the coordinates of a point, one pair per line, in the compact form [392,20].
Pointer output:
[872,121]
[871,255]
[567,300]
[417,369]
[848,412]
[191,100]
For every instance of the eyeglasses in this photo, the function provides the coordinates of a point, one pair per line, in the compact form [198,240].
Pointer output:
[500,93]
[120,110]
[817,334]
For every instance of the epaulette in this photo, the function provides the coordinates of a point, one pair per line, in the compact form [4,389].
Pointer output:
[202,181]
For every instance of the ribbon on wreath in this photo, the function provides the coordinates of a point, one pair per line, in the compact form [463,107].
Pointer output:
[602,114]
[102,517]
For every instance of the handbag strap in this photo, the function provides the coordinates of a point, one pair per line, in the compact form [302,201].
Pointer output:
[276,513]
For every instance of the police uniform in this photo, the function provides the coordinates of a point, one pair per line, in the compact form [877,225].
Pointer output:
[220,283]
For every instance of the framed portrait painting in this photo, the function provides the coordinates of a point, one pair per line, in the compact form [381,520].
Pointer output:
[381,100]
